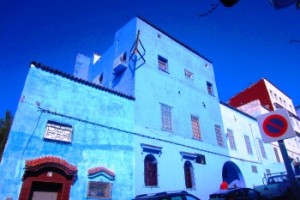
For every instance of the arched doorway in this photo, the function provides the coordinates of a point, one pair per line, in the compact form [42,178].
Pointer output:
[47,178]
[232,174]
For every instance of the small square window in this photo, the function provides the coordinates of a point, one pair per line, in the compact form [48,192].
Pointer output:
[188,74]
[254,169]
[210,89]
[162,64]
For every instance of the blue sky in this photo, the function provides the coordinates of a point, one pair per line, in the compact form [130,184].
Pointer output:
[245,43]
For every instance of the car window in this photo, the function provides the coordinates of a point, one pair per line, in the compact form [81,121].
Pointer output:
[177,198]
[190,198]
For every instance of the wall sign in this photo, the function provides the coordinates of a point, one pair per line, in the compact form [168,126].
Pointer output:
[99,190]
[58,131]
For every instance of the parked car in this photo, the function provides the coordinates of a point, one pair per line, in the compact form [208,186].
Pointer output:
[277,186]
[237,194]
[179,195]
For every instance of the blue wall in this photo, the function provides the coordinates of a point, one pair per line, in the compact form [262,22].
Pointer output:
[86,109]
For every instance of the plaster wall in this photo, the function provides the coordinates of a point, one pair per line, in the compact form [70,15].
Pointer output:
[100,121]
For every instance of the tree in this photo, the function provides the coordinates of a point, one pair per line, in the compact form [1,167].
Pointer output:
[5,125]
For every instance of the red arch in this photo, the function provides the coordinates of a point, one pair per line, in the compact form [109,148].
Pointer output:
[45,170]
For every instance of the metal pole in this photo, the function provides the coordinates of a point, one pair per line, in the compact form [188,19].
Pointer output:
[289,170]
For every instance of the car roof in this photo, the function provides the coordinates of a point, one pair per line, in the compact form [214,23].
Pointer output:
[162,194]
[228,191]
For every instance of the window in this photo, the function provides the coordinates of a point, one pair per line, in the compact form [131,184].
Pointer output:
[262,148]
[195,127]
[58,131]
[210,88]
[276,154]
[188,74]
[280,99]
[219,135]
[271,93]
[231,139]
[188,174]
[268,171]
[162,64]
[254,169]
[150,170]
[166,117]
[248,144]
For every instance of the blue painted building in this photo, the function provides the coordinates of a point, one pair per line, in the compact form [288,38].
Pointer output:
[72,134]
[143,118]
[178,110]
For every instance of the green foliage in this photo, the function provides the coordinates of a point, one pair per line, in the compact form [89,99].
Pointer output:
[5,125]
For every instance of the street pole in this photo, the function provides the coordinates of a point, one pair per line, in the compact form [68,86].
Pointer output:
[289,170]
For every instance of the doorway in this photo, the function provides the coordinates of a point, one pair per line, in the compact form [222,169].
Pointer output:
[45,191]
[232,174]
[47,178]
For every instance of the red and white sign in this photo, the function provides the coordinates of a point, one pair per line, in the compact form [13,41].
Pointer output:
[275,126]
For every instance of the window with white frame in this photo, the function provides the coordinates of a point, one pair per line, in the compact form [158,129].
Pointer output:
[248,144]
[166,117]
[163,64]
[262,148]
[195,127]
[219,135]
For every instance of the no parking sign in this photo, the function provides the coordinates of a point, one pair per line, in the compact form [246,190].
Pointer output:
[275,126]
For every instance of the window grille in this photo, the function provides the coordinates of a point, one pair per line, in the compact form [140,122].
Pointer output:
[231,139]
[166,117]
[248,144]
[195,127]
[219,135]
